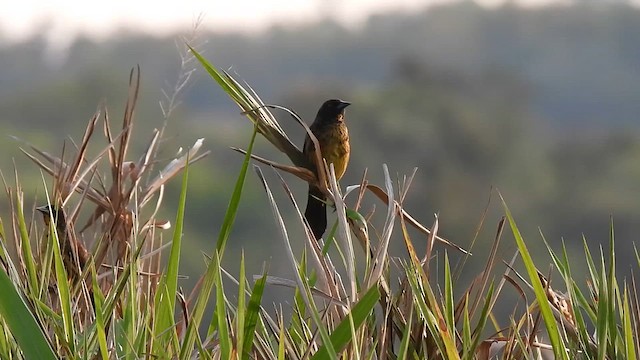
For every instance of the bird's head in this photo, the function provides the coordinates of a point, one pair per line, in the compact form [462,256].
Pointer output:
[51,210]
[332,108]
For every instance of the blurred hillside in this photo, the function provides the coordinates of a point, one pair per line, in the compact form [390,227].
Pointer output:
[540,103]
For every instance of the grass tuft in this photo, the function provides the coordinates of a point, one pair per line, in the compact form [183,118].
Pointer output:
[351,299]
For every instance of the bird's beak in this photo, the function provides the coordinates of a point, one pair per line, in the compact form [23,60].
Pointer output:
[44,210]
[343,104]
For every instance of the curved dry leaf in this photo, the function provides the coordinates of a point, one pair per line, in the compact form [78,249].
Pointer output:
[278,281]
[382,195]
[300,172]
[173,168]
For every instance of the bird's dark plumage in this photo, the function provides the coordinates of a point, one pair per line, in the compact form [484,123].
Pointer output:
[330,129]
[70,248]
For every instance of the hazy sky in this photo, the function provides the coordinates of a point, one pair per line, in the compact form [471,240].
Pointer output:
[64,19]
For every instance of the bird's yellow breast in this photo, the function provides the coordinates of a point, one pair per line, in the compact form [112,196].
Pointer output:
[334,145]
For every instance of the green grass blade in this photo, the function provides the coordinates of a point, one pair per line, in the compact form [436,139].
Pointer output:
[547,314]
[420,302]
[467,349]
[241,314]
[98,299]
[406,335]
[301,279]
[593,273]
[627,328]
[24,327]
[281,338]
[168,288]
[484,316]
[228,87]
[253,314]
[602,324]
[578,300]
[25,248]
[232,209]
[224,339]
[449,307]
[64,294]
[342,334]
[208,280]
[614,293]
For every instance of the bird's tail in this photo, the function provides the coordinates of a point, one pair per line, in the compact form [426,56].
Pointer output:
[316,212]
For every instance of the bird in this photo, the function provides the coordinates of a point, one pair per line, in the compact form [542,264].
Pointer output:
[70,248]
[330,129]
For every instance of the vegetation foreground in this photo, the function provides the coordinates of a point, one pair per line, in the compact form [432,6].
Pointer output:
[126,302]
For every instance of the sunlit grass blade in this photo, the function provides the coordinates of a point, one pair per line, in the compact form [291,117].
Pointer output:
[484,316]
[221,315]
[115,294]
[342,334]
[241,311]
[166,296]
[253,107]
[602,324]
[467,350]
[429,310]
[627,328]
[301,279]
[252,315]
[614,294]
[281,337]
[594,278]
[344,233]
[223,236]
[547,314]
[98,300]
[232,209]
[26,251]
[127,323]
[449,308]
[578,301]
[406,336]
[64,294]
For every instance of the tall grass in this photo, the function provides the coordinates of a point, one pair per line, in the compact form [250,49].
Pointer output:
[127,303]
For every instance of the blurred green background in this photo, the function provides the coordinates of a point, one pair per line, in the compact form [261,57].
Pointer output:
[541,103]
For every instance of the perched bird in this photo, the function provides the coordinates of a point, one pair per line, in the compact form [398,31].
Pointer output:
[333,137]
[70,248]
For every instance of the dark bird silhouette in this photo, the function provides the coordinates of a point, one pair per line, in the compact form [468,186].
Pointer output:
[333,137]
[70,248]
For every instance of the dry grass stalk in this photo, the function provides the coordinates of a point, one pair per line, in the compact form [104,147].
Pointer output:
[117,205]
